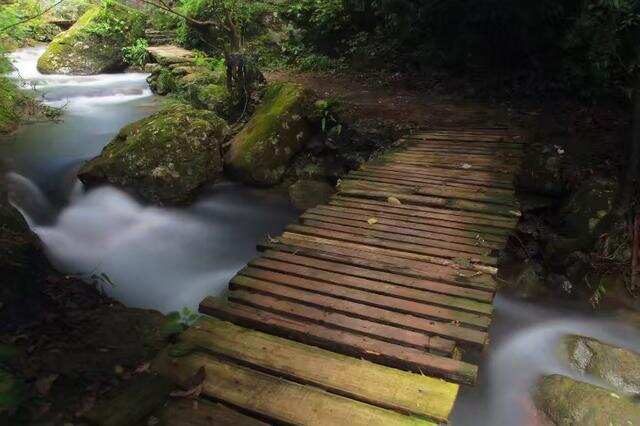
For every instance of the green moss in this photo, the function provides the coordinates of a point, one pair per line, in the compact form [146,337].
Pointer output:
[12,392]
[94,43]
[261,152]
[165,158]
[9,98]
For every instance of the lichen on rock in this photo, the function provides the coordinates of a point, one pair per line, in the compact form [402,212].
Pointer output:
[165,158]
[569,402]
[260,154]
[94,43]
[618,367]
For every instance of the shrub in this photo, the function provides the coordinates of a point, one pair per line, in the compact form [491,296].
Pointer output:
[137,53]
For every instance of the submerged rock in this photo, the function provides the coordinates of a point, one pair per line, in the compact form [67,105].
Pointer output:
[307,193]
[278,130]
[568,402]
[93,45]
[165,158]
[618,367]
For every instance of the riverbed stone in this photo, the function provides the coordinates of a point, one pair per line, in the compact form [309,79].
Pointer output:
[93,45]
[308,193]
[169,54]
[165,158]
[569,402]
[261,153]
[618,367]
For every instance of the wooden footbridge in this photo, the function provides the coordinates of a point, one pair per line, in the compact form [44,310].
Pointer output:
[365,312]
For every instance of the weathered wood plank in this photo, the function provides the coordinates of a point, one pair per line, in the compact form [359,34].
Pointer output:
[396,227]
[413,181]
[403,280]
[419,295]
[464,233]
[461,174]
[381,247]
[478,321]
[375,261]
[354,378]
[404,242]
[462,335]
[351,344]
[185,412]
[275,398]
[498,225]
[331,319]
[482,195]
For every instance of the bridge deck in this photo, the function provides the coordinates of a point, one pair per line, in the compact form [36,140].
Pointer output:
[364,312]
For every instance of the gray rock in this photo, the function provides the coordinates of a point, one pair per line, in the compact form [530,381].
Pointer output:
[568,402]
[618,367]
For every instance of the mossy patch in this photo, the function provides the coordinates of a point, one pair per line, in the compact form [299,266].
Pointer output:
[261,152]
[94,43]
[164,158]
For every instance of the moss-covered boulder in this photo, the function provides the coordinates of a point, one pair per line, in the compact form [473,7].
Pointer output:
[618,367]
[165,158]
[94,43]
[568,402]
[260,154]
[308,193]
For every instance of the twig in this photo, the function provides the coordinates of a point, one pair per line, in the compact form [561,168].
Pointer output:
[24,21]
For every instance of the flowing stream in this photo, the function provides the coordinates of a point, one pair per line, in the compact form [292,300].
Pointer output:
[167,259]
[159,258]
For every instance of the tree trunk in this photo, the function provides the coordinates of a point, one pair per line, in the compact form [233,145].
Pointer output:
[633,165]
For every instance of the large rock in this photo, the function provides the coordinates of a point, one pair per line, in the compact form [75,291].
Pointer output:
[568,402]
[542,171]
[165,158]
[169,54]
[278,130]
[618,367]
[94,43]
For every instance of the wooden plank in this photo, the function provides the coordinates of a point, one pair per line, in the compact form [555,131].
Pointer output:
[374,350]
[500,225]
[277,399]
[383,247]
[453,160]
[482,195]
[383,224]
[422,200]
[403,280]
[371,231]
[374,384]
[185,412]
[330,319]
[463,138]
[462,335]
[463,233]
[408,160]
[468,175]
[452,147]
[412,181]
[478,321]
[463,278]
[380,287]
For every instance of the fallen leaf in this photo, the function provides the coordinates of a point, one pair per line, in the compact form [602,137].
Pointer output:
[153,421]
[142,368]
[466,166]
[119,370]
[43,384]
[394,200]
[372,221]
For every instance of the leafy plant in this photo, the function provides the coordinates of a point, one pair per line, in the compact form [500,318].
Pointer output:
[177,322]
[136,54]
